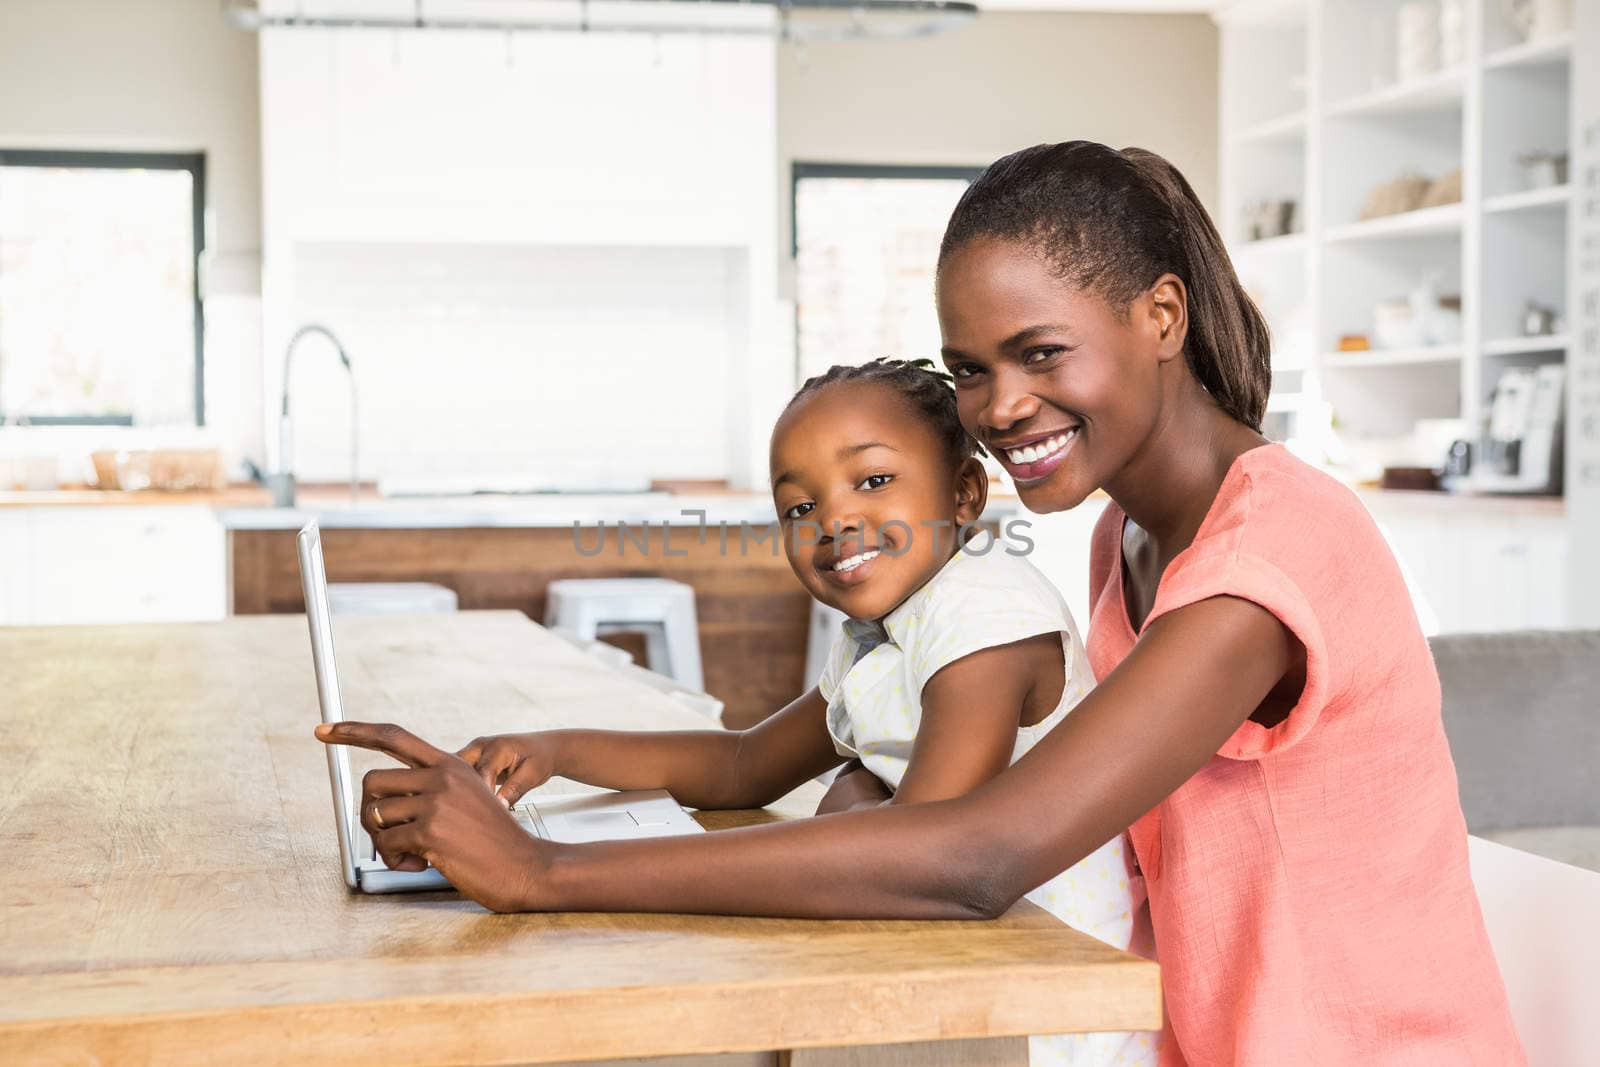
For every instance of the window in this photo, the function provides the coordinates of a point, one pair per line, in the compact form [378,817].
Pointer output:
[100,318]
[866,241]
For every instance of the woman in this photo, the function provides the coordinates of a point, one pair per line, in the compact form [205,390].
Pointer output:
[1266,723]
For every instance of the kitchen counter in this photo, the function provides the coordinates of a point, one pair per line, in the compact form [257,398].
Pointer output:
[555,510]
[235,496]
[1480,503]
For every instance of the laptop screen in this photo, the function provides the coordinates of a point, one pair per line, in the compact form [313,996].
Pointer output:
[314,584]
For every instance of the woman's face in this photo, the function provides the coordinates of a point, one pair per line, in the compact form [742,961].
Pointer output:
[1058,386]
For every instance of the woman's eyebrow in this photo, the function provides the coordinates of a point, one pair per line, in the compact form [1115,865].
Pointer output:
[1023,336]
[1016,340]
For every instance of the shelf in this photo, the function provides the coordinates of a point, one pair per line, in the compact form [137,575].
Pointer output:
[1393,357]
[1289,242]
[1551,196]
[1556,48]
[1516,346]
[1438,92]
[1444,219]
[1283,128]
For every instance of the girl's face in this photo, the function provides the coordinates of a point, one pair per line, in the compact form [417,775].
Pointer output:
[867,500]
[1059,387]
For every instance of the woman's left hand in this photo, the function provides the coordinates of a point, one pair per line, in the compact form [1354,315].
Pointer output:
[436,810]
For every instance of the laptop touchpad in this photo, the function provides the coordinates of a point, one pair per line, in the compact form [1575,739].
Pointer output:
[580,826]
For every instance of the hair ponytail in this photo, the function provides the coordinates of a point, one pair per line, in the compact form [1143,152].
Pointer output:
[1114,222]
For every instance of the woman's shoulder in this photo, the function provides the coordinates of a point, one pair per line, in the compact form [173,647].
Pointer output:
[1276,506]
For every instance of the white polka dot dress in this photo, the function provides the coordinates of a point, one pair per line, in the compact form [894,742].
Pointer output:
[873,683]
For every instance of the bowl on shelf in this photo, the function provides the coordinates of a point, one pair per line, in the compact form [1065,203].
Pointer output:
[172,470]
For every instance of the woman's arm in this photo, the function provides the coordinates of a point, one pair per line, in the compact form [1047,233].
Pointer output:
[701,768]
[1192,679]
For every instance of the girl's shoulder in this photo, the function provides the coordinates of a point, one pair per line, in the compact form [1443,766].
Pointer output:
[998,578]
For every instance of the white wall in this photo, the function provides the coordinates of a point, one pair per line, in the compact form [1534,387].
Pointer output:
[172,75]
[552,251]
[157,75]
[1003,82]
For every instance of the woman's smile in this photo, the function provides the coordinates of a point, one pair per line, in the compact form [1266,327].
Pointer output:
[1030,460]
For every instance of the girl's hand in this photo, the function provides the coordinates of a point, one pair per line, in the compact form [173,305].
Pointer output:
[515,763]
[438,810]
[853,787]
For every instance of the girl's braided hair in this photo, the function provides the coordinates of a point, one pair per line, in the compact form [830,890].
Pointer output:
[921,384]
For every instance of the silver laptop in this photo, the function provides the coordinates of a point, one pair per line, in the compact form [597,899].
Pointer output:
[607,816]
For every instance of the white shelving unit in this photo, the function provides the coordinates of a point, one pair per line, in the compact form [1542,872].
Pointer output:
[1313,111]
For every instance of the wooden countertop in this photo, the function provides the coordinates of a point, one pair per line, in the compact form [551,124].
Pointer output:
[235,496]
[174,894]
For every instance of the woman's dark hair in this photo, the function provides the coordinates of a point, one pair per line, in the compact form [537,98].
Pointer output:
[920,384]
[1112,223]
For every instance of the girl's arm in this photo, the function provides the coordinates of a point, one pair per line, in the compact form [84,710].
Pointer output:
[971,710]
[1196,674]
[701,768]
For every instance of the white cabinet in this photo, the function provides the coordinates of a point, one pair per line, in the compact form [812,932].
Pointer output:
[15,588]
[108,564]
[1479,566]
[1473,565]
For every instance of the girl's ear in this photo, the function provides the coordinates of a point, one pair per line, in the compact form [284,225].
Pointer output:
[1168,307]
[972,491]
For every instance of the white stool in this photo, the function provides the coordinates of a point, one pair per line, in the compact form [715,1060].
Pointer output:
[824,630]
[1545,932]
[661,609]
[390,598]
[621,661]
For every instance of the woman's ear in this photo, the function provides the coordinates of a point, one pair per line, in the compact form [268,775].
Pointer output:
[972,491]
[1168,306]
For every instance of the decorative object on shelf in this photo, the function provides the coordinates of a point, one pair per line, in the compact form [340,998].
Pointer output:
[1354,342]
[1422,319]
[1452,33]
[1417,40]
[1269,218]
[1520,447]
[1540,320]
[172,470]
[1538,19]
[1396,197]
[1446,189]
[1412,479]
[1541,170]
[36,472]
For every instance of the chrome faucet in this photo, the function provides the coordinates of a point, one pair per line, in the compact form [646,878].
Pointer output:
[282,483]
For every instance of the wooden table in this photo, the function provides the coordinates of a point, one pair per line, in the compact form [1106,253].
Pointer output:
[173,893]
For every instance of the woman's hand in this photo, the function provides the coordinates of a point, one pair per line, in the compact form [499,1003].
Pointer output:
[853,787]
[512,764]
[437,809]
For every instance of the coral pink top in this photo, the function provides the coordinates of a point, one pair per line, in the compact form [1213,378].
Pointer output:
[1309,890]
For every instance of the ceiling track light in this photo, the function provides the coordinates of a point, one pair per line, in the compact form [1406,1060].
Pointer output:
[797,20]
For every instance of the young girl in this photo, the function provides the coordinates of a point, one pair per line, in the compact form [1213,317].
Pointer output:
[956,660]
[1267,715]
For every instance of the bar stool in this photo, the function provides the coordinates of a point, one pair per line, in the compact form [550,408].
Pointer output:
[390,598]
[661,609]
[824,630]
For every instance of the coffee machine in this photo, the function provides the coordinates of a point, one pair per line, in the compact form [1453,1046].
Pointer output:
[1520,448]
